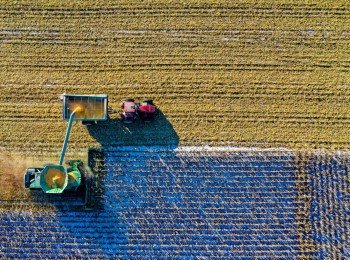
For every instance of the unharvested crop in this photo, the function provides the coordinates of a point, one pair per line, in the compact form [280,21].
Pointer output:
[222,72]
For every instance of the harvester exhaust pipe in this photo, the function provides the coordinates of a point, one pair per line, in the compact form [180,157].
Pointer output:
[71,119]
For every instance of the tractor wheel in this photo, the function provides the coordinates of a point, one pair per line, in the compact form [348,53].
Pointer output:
[148,101]
[128,100]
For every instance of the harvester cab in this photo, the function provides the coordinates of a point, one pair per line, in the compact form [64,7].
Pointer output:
[132,111]
[54,178]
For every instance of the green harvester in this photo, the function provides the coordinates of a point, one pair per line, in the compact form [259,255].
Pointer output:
[56,179]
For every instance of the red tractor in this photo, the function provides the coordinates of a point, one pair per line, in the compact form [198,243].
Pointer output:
[132,111]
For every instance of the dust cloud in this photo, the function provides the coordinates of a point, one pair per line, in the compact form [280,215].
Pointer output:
[12,169]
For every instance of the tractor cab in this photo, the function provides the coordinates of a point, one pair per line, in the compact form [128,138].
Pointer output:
[129,110]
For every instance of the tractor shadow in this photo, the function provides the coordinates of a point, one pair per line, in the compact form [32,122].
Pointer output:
[158,132]
[112,134]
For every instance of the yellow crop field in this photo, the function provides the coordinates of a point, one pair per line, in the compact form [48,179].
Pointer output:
[221,72]
[247,157]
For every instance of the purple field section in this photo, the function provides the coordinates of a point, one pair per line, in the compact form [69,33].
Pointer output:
[189,204]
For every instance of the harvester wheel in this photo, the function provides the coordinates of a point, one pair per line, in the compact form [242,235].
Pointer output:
[148,101]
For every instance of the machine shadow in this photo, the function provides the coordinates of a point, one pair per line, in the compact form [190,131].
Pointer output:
[158,132]
[107,203]
[100,227]
[110,134]
[113,134]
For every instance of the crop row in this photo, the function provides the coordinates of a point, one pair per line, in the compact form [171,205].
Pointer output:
[172,16]
[180,93]
[329,207]
[229,118]
[232,119]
